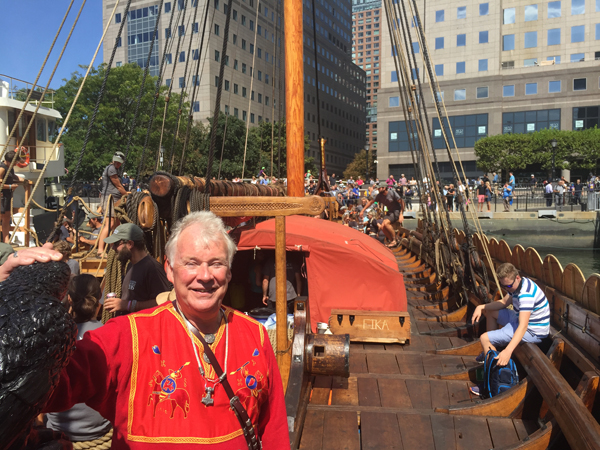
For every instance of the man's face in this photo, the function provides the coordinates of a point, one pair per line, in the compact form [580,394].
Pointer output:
[123,249]
[200,275]
[510,283]
[382,189]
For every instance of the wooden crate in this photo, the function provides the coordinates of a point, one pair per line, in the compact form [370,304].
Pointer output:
[384,327]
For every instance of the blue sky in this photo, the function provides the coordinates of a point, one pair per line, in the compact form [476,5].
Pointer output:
[28,29]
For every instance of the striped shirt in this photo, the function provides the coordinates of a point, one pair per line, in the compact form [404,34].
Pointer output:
[532,299]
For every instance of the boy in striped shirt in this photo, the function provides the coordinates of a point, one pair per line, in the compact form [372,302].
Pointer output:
[528,321]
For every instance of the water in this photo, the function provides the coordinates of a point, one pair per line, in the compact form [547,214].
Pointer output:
[587,259]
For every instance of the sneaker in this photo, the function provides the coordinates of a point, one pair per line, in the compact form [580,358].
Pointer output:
[475,390]
[480,358]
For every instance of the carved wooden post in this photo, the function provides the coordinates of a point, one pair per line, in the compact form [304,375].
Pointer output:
[283,359]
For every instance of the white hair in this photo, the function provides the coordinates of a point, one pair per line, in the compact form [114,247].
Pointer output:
[210,230]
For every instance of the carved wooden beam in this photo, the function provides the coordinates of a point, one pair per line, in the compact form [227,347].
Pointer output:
[266,206]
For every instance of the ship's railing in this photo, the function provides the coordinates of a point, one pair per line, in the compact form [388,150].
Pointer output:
[16,89]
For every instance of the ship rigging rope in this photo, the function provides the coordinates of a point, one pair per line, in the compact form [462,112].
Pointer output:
[440,104]
[26,102]
[143,85]
[66,121]
[39,104]
[182,94]
[213,130]
[161,73]
[195,85]
[168,96]
[252,68]
[318,86]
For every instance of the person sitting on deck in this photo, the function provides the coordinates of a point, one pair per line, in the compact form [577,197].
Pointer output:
[95,223]
[389,198]
[528,321]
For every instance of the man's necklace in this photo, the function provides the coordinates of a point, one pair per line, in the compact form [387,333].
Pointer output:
[209,338]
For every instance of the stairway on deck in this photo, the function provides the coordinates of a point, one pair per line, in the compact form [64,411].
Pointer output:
[389,400]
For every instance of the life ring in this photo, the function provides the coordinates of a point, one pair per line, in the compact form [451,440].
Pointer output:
[24,155]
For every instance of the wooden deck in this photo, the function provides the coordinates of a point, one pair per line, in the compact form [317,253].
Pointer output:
[389,400]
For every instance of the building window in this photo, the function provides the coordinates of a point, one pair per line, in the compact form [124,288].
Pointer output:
[508,42]
[415,46]
[531,39]
[461,12]
[484,9]
[167,33]
[439,43]
[216,81]
[399,136]
[182,57]
[195,80]
[439,16]
[483,92]
[483,37]
[181,82]
[577,34]
[251,117]
[483,65]
[217,55]
[181,4]
[195,54]
[597,31]
[508,91]
[217,29]
[585,118]
[243,67]
[394,76]
[530,88]
[168,58]
[236,113]
[531,13]
[118,18]
[530,121]
[578,57]
[167,7]
[580,84]
[554,86]
[439,70]
[394,102]
[467,130]
[460,67]
[508,65]
[181,30]
[168,82]
[530,62]
[227,85]
[196,106]
[195,27]
[244,92]
[509,16]
[554,36]
[577,7]
[461,40]
[119,64]
[553,10]
[118,42]
[460,94]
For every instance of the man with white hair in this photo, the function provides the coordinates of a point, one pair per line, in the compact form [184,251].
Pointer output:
[190,371]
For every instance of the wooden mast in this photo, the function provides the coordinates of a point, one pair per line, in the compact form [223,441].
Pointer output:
[294,96]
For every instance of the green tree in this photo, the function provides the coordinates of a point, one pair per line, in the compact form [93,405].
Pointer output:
[574,150]
[358,166]
[262,134]
[114,119]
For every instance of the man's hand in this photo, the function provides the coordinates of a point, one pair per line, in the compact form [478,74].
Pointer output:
[27,257]
[361,214]
[265,299]
[115,304]
[503,357]
[477,314]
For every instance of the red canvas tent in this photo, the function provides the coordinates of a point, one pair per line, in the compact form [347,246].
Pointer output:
[346,269]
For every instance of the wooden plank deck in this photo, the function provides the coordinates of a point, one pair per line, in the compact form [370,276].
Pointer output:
[389,400]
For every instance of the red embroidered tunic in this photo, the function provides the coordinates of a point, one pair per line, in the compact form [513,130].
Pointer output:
[141,373]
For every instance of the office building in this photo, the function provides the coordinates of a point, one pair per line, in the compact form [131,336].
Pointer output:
[366,33]
[503,67]
[253,85]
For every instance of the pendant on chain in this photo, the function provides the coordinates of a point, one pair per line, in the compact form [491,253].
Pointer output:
[207,399]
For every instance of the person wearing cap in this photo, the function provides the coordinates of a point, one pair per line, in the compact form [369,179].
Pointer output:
[111,188]
[145,277]
[95,223]
[395,207]
[126,181]
[532,185]
[7,193]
